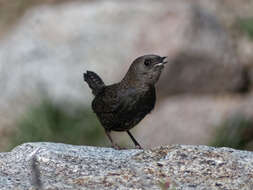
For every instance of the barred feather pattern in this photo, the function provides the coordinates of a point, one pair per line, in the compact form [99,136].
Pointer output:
[95,83]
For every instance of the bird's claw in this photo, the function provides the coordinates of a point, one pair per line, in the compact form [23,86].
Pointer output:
[117,147]
[138,147]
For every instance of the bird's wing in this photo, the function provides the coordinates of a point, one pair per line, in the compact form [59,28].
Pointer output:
[120,101]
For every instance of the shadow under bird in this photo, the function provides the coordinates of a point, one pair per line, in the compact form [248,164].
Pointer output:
[121,106]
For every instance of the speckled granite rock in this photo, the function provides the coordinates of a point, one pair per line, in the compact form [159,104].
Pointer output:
[61,166]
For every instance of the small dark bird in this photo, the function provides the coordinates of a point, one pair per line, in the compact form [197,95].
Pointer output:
[121,106]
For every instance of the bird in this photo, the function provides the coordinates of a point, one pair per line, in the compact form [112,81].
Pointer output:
[122,105]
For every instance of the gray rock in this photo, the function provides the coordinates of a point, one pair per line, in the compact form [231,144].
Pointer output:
[185,167]
[191,72]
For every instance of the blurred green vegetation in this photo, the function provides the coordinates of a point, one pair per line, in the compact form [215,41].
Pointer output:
[246,25]
[235,132]
[48,121]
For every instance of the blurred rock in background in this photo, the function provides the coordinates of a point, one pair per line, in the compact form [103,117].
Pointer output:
[47,47]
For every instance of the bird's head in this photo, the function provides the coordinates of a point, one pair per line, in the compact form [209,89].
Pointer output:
[147,69]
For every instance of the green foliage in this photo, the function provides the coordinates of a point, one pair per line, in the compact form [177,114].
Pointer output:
[235,132]
[49,122]
[246,25]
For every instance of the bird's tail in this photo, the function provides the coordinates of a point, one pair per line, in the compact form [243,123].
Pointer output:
[94,81]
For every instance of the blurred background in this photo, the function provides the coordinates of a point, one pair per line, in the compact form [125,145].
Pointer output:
[204,95]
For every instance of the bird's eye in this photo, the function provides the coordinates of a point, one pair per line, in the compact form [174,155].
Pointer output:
[147,62]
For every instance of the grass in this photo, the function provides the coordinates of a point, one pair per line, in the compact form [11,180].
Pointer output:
[50,122]
[246,25]
[235,132]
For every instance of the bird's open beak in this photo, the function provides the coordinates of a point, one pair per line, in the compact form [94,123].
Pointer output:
[161,62]
[164,61]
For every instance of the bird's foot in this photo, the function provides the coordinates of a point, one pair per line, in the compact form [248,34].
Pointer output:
[117,147]
[138,147]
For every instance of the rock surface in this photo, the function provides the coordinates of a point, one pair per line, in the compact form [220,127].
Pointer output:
[185,167]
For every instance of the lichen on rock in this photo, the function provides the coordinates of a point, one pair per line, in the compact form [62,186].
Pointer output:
[60,166]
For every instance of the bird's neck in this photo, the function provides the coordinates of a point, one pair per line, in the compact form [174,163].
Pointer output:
[131,79]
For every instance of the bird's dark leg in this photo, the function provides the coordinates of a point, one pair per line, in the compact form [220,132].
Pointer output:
[137,145]
[110,138]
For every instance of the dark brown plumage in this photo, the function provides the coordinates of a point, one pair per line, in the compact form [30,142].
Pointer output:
[121,106]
